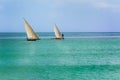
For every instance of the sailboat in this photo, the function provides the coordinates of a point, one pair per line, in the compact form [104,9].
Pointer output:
[31,35]
[58,33]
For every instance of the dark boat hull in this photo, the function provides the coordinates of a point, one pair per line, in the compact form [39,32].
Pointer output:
[32,39]
[58,38]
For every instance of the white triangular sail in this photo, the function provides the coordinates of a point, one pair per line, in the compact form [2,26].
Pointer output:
[57,32]
[30,32]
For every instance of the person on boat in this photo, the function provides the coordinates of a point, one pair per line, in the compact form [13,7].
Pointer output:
[63,36]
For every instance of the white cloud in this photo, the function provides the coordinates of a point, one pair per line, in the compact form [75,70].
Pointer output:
[110,5]
[95,3]
[99,4]
[106,5]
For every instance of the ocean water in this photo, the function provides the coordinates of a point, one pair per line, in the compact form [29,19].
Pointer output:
[80,56]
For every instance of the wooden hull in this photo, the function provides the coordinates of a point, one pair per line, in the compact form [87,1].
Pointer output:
[32,39]
[58,38]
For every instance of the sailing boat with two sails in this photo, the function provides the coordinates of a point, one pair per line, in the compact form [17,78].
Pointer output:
[31,35]
[58,33]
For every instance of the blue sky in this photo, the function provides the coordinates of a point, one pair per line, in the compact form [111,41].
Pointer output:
[69,15]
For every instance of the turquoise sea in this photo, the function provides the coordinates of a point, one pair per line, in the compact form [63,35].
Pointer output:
[80,56]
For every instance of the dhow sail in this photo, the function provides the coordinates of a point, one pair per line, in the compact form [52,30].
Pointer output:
[57,32]
[31,35]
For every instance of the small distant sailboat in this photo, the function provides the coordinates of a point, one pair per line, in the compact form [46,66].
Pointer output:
[31,35]
[58,33]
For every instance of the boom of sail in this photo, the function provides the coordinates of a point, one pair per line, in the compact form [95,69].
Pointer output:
[31,35]
[57,32]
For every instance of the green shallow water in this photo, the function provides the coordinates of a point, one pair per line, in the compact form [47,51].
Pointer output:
[96,58]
